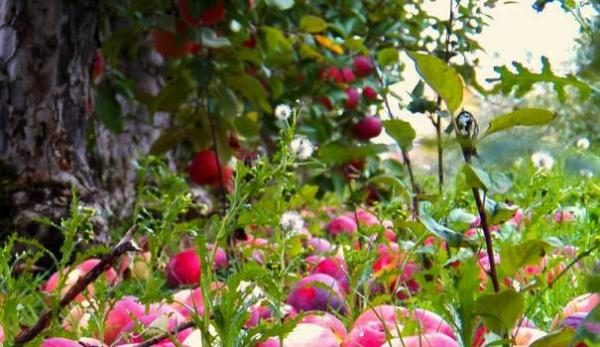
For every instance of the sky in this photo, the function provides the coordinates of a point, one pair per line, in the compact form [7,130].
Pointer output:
[516,32]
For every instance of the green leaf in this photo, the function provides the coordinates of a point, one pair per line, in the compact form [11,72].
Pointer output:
[453,238]
[251,89]
[247,125]
[529,252]
[522,117]
[281,4]
[108,110]
[170,98]
[387,56]
[441,77]
[477,178]
[168,139]
[402,132]
[559,338]
[391,182]
[500,311]
[523,80]
[279,48]
[498,212]
[312,24]
[339,153]
[305,196]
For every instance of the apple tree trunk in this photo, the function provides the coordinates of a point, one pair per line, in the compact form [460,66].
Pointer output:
[50,140]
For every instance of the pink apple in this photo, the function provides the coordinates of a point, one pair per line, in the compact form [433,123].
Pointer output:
[189,302]
[372,333]
[73,275]
[524,337]
[306,296]
[303,335]
[341,224]
[59,342]
[122,313]
[320,245]
[327,320]
[425,340]
[152,323]
[336,268]
[347,75]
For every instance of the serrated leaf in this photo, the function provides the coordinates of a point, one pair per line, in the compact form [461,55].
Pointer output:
[522,117]
[529,252]
[521,82]
[441,77]
[477,178]
[559,338]
[108,110]
[500,311]
[402,132]
[167,140]
[251,89]
[172,96]
[387,56]
[312,24]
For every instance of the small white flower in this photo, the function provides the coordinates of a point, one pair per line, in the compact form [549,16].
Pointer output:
[235,26]
[283,112]
[542,160]
[291,222]
[302,147]
[586,173]
[583,143]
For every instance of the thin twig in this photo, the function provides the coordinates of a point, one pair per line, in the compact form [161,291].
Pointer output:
[405,156]
[127,244]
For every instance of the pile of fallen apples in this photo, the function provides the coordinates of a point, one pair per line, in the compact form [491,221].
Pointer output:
[320,296]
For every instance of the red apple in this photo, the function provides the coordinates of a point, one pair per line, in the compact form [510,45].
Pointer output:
[203,169]
[363,66]
[369,93]
[368,128]
[210,16]
[347,75]
[171,45]
[352,98]
[184,269]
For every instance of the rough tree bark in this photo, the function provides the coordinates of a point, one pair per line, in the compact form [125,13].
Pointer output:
[49,141]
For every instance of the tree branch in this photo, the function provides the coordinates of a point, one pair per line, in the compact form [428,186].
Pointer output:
[158,338]
[127,244]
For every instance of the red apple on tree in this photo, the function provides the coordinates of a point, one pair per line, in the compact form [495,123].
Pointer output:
[363,66]
[210,16]
[368,128]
